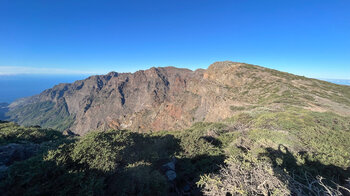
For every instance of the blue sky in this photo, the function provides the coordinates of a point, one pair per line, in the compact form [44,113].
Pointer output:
[310,38]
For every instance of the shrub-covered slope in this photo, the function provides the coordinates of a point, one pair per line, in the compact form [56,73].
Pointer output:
[284,151]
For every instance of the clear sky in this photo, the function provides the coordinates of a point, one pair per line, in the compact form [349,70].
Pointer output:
[305,37]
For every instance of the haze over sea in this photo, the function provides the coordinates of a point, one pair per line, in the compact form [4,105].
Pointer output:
[13,87]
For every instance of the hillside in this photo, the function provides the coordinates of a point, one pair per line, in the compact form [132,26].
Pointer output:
[170,98]
[3,110]
[289,152]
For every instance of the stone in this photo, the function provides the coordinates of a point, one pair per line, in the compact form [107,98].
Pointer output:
[68,132]
[171,175]
[170,165]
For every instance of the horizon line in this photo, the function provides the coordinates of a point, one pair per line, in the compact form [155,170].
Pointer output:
[27,71]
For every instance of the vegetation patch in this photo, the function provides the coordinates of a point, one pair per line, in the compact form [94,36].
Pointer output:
[286,151]
[46,114]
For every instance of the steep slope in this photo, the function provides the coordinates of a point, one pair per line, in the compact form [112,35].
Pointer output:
[171,98]
[3,110]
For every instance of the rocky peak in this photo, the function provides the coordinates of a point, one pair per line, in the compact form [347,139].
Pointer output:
[222,65]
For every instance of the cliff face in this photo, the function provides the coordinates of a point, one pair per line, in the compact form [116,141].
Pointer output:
[172,98]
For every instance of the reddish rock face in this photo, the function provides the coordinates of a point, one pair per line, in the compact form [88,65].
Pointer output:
[160,98]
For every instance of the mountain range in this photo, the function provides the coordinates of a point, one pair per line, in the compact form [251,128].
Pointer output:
[169,98]
[231,129]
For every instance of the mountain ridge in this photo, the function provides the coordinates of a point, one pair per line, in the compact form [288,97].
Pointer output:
[170,98]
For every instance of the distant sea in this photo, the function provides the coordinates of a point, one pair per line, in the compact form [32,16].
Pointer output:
[338,81]
[18,86]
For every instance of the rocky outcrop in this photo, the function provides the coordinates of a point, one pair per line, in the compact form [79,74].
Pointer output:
[170,98]
[68,132]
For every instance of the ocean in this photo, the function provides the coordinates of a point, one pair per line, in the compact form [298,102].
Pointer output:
[18,86]
[338,81]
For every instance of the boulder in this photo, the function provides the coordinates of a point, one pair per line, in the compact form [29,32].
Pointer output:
[68,132]
[170,165]
[169,169]
[171,175]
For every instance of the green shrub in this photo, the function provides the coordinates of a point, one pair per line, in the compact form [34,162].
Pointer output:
[237,108]
[284,147]
[101,150]
[12,133]
[139,178]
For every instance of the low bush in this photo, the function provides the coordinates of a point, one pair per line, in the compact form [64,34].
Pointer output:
[263,151]
[12,133]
